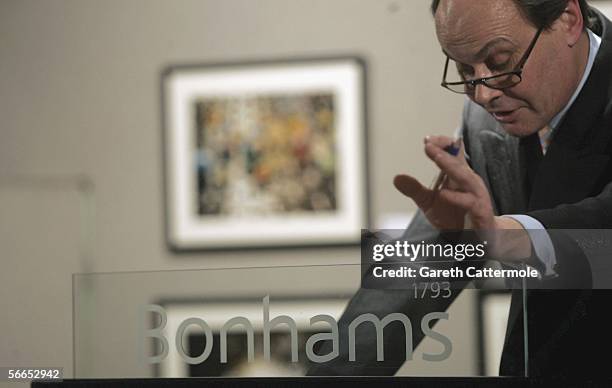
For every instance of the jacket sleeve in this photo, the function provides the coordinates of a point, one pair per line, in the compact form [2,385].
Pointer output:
[381,303]
[590,213]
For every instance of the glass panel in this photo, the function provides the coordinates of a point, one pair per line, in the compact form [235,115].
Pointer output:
[281,321]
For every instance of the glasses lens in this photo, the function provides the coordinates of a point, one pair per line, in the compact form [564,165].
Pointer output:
[503,81]
[458,74]
[461,88]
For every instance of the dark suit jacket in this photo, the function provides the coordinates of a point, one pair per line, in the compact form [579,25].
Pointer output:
[569,187]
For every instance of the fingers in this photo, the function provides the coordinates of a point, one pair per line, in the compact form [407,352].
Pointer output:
[462,193]
[444,142]
[412,188]
[465,201]
[455,167]
[479,209]
[441,141]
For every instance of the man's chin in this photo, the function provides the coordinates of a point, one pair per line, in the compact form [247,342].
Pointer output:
[522,127]
[518,129]
[519,123]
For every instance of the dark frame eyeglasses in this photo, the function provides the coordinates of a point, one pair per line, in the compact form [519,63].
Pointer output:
[499,81]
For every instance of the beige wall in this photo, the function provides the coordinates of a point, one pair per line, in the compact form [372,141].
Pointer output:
[79,94]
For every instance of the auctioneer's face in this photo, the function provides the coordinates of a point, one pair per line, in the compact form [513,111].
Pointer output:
[487,38]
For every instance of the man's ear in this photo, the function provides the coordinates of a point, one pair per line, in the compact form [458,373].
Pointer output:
[572,22]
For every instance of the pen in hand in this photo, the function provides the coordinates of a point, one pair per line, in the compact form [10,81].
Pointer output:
[452,149]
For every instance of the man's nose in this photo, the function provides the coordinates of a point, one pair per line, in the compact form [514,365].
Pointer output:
[483,95]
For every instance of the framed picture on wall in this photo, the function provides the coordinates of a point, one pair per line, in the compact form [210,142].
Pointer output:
[265,154]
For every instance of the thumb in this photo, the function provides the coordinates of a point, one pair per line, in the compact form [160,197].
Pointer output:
[412,188]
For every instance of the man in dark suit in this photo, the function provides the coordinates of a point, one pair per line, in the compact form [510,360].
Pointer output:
[537,129]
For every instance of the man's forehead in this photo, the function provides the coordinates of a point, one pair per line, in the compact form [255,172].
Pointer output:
[450,11]
[461,17]
[495,44]
[478,27]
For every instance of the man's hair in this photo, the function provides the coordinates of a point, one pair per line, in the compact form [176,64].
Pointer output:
[541,13]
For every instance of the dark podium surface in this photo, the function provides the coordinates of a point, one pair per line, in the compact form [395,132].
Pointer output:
[342,382]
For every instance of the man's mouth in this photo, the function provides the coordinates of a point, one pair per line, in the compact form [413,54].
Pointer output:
[505,116]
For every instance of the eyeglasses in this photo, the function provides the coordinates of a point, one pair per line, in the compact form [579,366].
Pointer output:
[499,81]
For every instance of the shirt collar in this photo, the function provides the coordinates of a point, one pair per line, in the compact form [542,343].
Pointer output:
[546,134]
[594,43]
